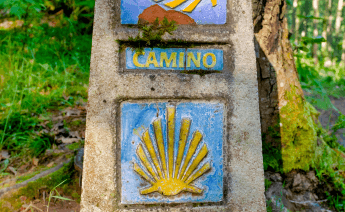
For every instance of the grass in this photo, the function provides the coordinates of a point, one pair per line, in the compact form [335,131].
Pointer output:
[49,71]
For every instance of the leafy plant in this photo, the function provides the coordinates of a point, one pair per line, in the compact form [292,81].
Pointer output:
[57,196]
[22,8]
[272,157]
[40,66]
[267,184]
[150,35]
[340,124]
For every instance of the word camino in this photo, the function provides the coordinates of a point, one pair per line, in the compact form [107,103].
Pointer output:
[175,59]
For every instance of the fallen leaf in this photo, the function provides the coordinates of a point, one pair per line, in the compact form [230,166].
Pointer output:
[22,198]
[12,170]
[50,164]
[35,161]
[4,154]
[65,97]
[74,134]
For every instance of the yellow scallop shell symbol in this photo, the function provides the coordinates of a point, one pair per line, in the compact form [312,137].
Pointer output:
[170,176]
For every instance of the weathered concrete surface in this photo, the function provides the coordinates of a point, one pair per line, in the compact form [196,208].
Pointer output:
[236,86]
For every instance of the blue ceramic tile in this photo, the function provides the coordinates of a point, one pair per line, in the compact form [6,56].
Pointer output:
[145,139]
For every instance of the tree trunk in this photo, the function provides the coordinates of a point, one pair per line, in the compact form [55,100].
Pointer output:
[296,20]
[330,38]
[327,24]
[343,55]
[338,19]
[286,119]
[315,31]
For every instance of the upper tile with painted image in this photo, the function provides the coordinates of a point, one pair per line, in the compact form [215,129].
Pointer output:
[191,12]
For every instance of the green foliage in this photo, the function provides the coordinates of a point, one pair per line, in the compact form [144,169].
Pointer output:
[310,17]
[22,8]
[267,184]
[329,165]
[58,196]
[320,82]
[340,124]
[304,21]
[310,40]
[41,144]
[272,157]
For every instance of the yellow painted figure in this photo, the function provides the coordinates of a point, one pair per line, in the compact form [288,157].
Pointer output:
[171,61]
[167,175]
[190,7]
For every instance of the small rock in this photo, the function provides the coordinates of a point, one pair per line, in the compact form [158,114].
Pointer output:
[301,184]
[297,180]
[311,176]
[74,134]
[276,177]
[72,112]
[275,196]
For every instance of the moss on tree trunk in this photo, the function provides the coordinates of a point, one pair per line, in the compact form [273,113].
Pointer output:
[281,97]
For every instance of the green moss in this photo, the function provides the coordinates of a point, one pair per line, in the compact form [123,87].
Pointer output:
[26,177]
[31,191]
[4,186]
[11,203]
[76,123]
[76,196]
[298,132]
[74,146]
[50,181]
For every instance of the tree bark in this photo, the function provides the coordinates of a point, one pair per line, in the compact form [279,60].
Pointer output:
[327,24]
[315,31]
[296,20]
[338,18]
[343,47]
[282,104]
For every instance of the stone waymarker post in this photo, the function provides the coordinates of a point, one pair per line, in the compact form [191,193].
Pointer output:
[174,128]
